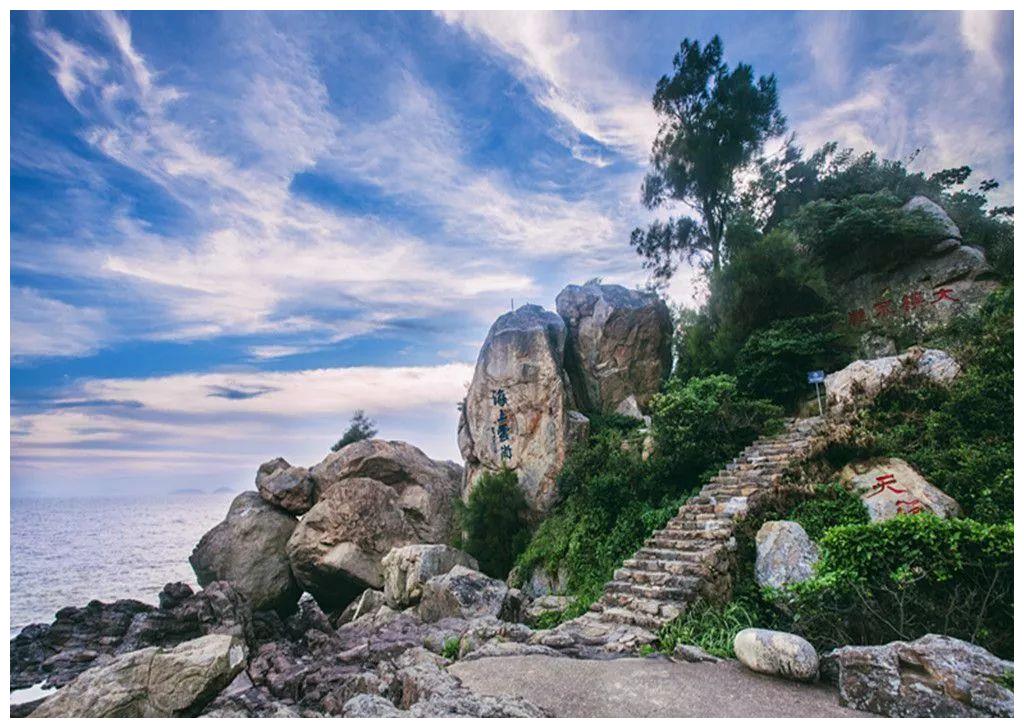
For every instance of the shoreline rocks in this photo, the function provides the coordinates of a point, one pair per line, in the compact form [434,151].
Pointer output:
[290,488]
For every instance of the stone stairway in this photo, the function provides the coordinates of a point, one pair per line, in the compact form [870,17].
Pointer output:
[692,555]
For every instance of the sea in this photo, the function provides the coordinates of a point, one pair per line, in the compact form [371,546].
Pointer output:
[69,551]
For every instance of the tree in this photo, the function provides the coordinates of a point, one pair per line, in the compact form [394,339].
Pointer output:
[713,121]
[361,428]
[495,522]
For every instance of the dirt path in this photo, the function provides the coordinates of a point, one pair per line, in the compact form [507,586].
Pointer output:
[647,688]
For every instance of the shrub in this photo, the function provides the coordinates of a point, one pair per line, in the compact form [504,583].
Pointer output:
[495,522]
[906,577]
[360,428]
[450,650]
[712,627]
[830,506]
[774,362]
[700,424]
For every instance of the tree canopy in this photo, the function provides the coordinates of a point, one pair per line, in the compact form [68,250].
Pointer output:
[360,428]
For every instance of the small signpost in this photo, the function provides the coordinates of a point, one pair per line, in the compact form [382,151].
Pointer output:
[816,378]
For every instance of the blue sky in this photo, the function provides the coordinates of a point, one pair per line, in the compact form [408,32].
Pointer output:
[230,230]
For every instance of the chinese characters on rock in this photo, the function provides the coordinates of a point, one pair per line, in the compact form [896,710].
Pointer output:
[500,400]
[887,307]
[888,482]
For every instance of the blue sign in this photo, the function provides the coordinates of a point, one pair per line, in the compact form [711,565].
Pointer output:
[815,377]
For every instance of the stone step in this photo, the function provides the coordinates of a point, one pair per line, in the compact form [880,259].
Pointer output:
[679,568]
[650,591]
[692,557]
[687,582]
[666,610]
[625,616]
[683,544]
[686,530]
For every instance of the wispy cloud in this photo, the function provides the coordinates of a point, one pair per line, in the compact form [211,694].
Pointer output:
[46,327]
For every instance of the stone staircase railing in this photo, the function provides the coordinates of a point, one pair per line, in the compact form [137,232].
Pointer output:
[692,555]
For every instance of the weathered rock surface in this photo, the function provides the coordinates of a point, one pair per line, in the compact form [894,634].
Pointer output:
[932,677]
[889,487]
[518,412]
[425,489]
[407,569]
[619,344]
[464,593]
[861,381]
[247,549]
[785,554]
[919,293]
[81,637]
[286,486]
[776,653]
[151,683]
[335,552]
[366,603]
[540,607]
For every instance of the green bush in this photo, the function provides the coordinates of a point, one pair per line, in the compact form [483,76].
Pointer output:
[831,505]
[702,423]
[774,362]
[450,650]
[906,577]
[495,522]
[712,627]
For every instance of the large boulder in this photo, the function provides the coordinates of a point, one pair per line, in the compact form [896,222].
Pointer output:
[152,682]
[776,653]
[247,549]
[785,554]
[519,411]
[425,489]
[619,345]
[286,486]
[932,677]
[408,568]
[918,293]
[861,381]
[336,551]
[463,593]
[889,487]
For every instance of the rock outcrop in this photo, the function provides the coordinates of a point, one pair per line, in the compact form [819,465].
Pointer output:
[247,549]
[463,593]
[286,486]
[776,653]
[785,554]
[920,293]
[889,487]
[151,683]
[619,344]
[425,490]
[520,411]
[932,677]
[860,382]
[408,568]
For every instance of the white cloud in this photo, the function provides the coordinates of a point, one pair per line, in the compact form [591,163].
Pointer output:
[42,326]
[980,32]
[570,75]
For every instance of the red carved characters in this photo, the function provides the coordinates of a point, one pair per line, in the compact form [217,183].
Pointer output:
[884,483]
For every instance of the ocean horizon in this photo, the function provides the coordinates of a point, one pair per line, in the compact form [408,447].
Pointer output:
[69,551]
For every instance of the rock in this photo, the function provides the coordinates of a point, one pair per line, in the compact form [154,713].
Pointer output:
[366,603]
[692,653]
[173,594]
[538,608]
[776,653]
[285,486]
[541,583]
[464,593]
[629,408]
[241,699]
[785,554]
[932,677]
[425,490]
[151,683]
[620,344]
[518,410]
[247,549]
[372,706]
[889,487]
[335,552]
[861,381]
[407,568]
[934,211]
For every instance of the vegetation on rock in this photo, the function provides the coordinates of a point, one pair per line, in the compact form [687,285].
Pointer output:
[360,428]
[495,522]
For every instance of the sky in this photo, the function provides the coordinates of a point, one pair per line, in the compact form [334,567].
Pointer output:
[231,230]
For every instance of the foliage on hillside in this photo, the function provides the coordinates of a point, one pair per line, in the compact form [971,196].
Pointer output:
[611,499]
[495,522]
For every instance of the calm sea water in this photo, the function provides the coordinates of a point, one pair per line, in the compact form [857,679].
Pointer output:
[65,552]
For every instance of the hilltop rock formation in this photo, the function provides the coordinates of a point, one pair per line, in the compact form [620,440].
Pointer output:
[619,344]
[285,486]
[247,549]
[890,487]
[519,411]
[921,293]
[860,381]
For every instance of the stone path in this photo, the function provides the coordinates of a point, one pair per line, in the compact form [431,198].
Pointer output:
[648,687]
[692,556]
